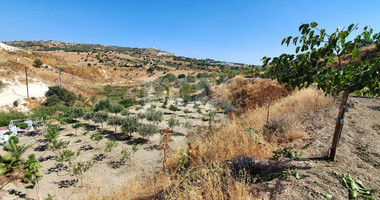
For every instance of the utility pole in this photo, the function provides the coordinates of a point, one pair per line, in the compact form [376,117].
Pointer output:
[27,88]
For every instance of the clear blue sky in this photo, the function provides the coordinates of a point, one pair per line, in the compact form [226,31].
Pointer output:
[234,30]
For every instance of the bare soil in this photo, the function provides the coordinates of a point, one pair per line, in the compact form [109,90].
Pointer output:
[358,154]
[109,173]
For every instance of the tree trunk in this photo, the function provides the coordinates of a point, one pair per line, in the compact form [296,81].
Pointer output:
[339,125]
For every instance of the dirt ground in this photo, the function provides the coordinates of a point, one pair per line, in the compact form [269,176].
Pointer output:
[108,173]
[358,154]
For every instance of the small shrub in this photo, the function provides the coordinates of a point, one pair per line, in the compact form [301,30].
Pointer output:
[37,63]
[173,108]
[181,76]
[80,169]
[191,79]
[128,102]
[96,137]
[187,111]
[173,122]
[23,126]
[110,145]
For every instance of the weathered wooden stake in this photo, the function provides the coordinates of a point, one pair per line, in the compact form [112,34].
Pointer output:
[339,125]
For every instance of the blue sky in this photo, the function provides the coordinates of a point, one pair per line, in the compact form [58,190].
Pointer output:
[235,30]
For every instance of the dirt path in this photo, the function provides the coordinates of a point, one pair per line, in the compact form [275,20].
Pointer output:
[358,154]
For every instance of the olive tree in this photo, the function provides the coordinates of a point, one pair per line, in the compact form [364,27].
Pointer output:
[78,112]
[333,62]
[115,108]
[147,130]
[130,125]
[115,121]
[100,117]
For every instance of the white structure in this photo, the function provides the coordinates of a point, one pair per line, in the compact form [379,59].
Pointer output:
[6,133]
[12,130]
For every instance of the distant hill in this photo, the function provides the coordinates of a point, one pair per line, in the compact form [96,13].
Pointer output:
[124,55]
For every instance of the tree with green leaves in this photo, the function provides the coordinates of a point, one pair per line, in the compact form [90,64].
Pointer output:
[333,62]
[147,130]
[96,137]
[115,121]
[100,117]
[37,63]
[88,116]
[80,169]
[130,125]
[103,105]
[115,108]
[78,112]
[154,116]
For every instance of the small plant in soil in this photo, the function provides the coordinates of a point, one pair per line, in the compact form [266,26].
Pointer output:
[110,145]
[80,169]
[52,132]
[211,118]
[76,126]
[84,133]
[32,173]
[96,137]
[173,108]
[188,125]
[126,153]
[67,155]
[173,122]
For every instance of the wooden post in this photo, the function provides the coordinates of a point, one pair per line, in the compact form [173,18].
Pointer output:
[27,88]
[339,125]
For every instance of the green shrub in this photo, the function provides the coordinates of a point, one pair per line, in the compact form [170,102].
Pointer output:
[5,117]
[67,97]
[37,63]
[173,108]
[23,126]
[52,100]
[128,102]
[143,92]
[103,104]
[181,76]
[49,111]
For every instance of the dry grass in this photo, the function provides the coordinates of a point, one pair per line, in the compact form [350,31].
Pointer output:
[210,177]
